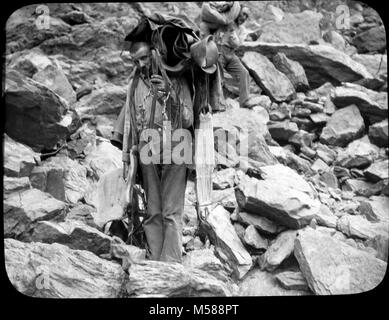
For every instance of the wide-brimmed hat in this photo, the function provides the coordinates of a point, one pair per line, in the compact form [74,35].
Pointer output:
[205,54]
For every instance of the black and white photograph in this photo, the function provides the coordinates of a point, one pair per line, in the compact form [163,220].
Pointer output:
[195,149]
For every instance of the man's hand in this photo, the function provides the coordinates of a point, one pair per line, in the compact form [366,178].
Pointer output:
[158,84]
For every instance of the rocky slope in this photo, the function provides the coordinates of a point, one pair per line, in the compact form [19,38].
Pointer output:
[306,212]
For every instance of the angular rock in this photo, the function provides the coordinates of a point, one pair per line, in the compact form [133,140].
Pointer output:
[55,271]
[107,100]
[325,153]
[83,213]
[263,283]
[254,239]
[376,64]
[378,133]
[19,160]
[104,158]
[223,236]
[302,138]
[74,234]
[377,171]
[12,184]
[163,279]
[53,77]
[314,107]
[335,39]
[319,118]
[62,177]
[282,131]
[293,70]
[280,249]
[36,116]
[321,63]
[360,187]
[371,40]
[205,260]
[325,217]
[359,153]
[226,198]
[375,209]
[345,96]
[262,224]
[82,142]
[360,227]
[320,166]
[283,196]
[273,82]
[223,179]
[22,210]
[344,126]
[292,280]
[333,267]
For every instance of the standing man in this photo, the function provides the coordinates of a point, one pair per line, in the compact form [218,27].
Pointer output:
[155,101]
[225,28]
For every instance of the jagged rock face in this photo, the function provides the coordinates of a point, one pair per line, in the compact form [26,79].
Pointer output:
[341,270]
[36,116]
[55,271]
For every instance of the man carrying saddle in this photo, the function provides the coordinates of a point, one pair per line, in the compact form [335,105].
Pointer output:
[160,101]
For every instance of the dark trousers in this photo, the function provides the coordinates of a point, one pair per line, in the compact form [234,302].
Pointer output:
[165,191]
[235,68]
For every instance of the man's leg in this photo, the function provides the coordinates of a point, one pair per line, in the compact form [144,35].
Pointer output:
[153,224]
[236,69]
[173,198]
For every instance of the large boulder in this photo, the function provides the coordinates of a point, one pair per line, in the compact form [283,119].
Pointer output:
[62,177]
[359,153]
[19,160]
[321,63]
[53,77]
[24,209]
[371,40]
[331,266]
[344,126]
[298,28]
[12,184]
[282,196]
[293,70]
[273,82]
[366,100]
[106,100]
[55,271]
[36,116]
[163,279]
[227,243]
[71,233]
